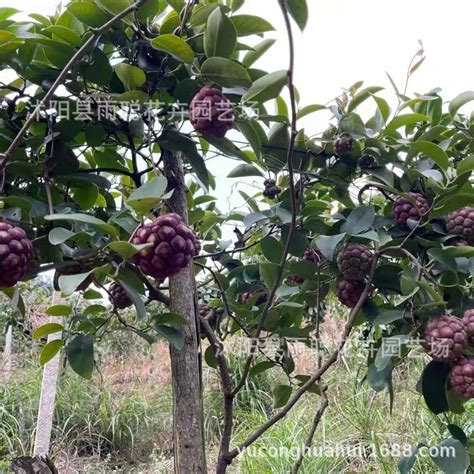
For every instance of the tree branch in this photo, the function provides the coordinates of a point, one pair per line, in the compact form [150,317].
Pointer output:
[291,185]
[319,373]
[96,33]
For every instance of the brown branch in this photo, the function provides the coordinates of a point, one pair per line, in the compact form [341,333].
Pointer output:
[96,33]
[291,185]
[318,374]
[312,431]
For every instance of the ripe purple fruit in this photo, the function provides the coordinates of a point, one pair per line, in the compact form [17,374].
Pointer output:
[173,245]
[246,297]
[404,209]
[16,254]
[271,190]
[119,297]
[343,145]
[462,377]
[445,339]
[468,320]
[354,261]
[349,292]
[366,161]
[461,222]
[211,113]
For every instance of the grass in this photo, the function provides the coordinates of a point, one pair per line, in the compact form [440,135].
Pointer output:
[121,420]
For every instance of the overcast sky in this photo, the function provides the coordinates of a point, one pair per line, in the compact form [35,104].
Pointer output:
[348,40]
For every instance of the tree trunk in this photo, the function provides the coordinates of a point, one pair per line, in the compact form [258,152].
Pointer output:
[188,424]
[44,424]
[7,354]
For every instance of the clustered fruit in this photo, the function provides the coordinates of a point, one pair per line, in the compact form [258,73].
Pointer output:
[118,296]
[272,190]
[405,209]
[461,222]
[446,340]
[16,254]
[173,246]
[211,113]
[343,145]
[354,263]
[310,255]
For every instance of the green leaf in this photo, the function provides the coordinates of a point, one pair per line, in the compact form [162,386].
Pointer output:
[92,295]
[433,385]
[59,235]
[269,273]
[407,463]
[220,37]
[116,6]
[88,13]
[172,335]
[7,12]
[46,330]
[171,319]
[459,101]
[450,464]
[94,309]
[298,9]
[258,51]
[127,250]
[250,25]
[174,46]
[250,132]
[404,121]
[59,310]
[244,170]
[50,350]
[261,367]
[359,220]
[69,283]
[266,88]
[95,135]
[148,196]
[272,249]
[466,165]
[80,355]
[387,317]
[150,10]
[444,257]
[281,394]
[66,34]
[362,96]
[131,76]
[328,243]
[85,195]
[431,150]
[178,142]
[136,299]
[210,357]
[310,109]
[86,218]
[225,72]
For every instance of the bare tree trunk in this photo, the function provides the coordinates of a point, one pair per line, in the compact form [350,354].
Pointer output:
[44,424]
[7,354]
[188,425]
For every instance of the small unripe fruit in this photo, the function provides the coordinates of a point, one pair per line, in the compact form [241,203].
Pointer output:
[461,222]
[119,297]
[354,262]
[403,209]
[211,113]
[468,320]
[343,145]
[445,339]
[173,247]
[349,292]
[462,377]
[16,254]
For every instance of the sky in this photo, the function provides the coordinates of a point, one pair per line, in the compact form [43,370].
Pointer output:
[347,41]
